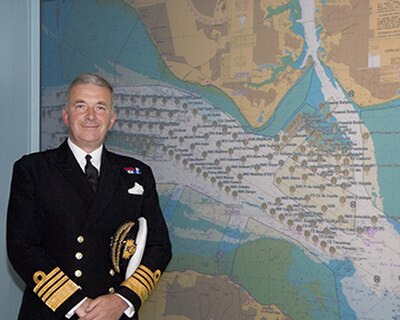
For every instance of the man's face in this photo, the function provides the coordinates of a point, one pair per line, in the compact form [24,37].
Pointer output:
[89,115]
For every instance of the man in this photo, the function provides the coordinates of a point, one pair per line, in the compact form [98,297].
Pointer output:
[60,222]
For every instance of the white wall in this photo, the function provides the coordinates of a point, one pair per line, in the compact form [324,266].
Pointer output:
[19,119]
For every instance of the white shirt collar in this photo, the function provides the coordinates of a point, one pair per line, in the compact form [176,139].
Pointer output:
[80,155]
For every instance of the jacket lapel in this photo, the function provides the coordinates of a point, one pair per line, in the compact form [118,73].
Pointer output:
[72,172]
[109,174]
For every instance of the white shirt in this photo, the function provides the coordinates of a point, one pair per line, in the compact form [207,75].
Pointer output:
[81,154]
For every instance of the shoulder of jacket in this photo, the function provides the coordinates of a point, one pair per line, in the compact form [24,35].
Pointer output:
[126,160]
[37,156]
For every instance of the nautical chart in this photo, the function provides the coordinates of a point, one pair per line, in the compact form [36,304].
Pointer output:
[272,128]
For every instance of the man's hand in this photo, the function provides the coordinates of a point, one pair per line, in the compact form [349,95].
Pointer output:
[80,312]
[107,307]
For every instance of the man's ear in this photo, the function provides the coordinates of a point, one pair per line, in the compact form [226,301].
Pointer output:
[113,119]
[64,114]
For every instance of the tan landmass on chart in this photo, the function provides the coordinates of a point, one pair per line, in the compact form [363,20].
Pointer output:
[361,42]
[187,295]
[230,45]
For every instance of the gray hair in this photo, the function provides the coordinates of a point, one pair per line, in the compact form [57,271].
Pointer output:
[90,78]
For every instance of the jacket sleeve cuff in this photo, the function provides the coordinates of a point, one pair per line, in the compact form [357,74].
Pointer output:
[130,311]
[72,311]
[57,290]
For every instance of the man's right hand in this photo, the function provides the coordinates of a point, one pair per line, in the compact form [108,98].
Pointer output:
[81,311]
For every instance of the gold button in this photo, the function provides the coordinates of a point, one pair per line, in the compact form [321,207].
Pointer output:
[80,239]
[111,290]
[78,273]
[112,272]
[79,255]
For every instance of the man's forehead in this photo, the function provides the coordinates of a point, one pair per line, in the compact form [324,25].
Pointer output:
[84,92]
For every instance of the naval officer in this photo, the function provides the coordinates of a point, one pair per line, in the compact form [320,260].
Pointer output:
[68,204]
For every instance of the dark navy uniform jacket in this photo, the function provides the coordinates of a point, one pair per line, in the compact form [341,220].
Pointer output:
[59,231]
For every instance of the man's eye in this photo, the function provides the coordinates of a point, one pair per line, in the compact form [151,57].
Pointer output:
[101,108]
[79,106]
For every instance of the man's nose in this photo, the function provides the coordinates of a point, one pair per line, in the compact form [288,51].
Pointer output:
[90,112]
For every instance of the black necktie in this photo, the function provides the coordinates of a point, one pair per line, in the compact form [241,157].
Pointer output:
[91,173]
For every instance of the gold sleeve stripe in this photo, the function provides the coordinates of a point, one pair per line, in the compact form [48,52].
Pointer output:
[145,269]
[62,294]
[40,278]
[154,275]
[49,284]
[137,287]
[143,281]
[54,288]
[145,277]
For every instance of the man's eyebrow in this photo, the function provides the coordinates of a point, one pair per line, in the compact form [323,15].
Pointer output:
[101,102]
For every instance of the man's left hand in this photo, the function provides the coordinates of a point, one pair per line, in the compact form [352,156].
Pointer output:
[107,307]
